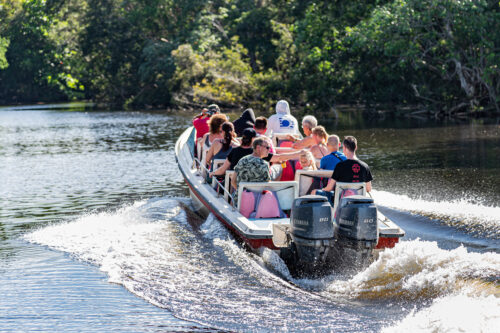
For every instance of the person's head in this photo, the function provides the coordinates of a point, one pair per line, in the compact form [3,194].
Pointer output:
[260,125]
[282,107]
[350,143]
[307,159]
[333,143]
[229,134]
[261,147]
[247,137]
[213,109]
[216,122]
[308,123]
[319,134]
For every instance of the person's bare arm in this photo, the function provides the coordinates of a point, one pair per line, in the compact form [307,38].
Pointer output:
[368,186]
[328,188]
[279,158]
[221,170]
[304,143]
[214,149]
[233,180]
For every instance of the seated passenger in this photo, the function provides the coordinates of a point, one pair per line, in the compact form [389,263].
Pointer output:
[237,153]
[351,170]
[215,124]
[308,123]
[221,148]
[307,162]
[246,120]
[329,161]
[261,128]
[252,168]
[282,121]
[320,137]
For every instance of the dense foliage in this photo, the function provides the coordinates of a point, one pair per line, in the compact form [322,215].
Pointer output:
[438,55]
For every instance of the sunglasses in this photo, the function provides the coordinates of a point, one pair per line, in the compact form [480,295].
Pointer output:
[267,147]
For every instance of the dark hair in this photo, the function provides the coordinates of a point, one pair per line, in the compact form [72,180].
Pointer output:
[216,122]
[229,134]
[248,135]
[350,143]
[260,123]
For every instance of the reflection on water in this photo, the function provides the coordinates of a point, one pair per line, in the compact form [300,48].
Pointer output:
[90,198]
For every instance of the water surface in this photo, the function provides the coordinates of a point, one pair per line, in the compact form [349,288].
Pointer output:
[97,234]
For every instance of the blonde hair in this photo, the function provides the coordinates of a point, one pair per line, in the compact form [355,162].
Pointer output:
[320,132]
[309,156]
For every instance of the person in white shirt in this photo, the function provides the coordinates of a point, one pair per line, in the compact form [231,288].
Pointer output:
[282,121]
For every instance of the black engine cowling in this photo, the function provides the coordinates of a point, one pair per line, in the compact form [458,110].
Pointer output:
[321,241]
[357,236]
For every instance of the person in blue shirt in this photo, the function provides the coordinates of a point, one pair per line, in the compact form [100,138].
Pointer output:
[330,161]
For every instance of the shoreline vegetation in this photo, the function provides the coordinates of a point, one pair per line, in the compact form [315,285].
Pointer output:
[414,58]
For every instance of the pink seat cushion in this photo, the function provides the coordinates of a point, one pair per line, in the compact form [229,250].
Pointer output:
[247,205]
[268,206]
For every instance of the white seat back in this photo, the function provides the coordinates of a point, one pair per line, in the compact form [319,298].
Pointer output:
[340,187]
[217,163]
[285,191]
[301,177]
[227,184]
[278,137]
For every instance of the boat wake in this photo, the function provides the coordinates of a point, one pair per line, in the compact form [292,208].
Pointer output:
[160,252]
[474,218]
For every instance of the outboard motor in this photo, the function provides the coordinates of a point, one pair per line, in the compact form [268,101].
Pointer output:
[313,234]
[356,217]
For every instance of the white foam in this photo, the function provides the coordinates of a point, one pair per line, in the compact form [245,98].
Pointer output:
[454,313]
[459,212]
[421,269]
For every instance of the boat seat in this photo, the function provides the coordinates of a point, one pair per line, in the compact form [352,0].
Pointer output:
[286,191]
[280,140]
[359,188]
[217,163]
[227,184]
[303,178]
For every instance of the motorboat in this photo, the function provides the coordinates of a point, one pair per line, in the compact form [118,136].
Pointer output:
[312,237]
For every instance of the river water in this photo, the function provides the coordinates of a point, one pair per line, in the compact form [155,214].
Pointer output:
[97,233]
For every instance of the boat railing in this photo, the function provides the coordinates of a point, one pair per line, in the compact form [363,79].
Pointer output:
[216,184]
[227,194]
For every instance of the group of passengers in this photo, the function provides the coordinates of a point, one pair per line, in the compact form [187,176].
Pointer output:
[246,147]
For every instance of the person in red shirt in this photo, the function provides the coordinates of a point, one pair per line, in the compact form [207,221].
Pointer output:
[200,122]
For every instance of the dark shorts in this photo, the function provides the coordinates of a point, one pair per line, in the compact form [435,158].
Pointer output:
[329,194]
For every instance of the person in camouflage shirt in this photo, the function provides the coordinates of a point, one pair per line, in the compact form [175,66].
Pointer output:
[252,168]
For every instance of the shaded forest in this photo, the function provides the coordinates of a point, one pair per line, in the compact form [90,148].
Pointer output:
[439,57]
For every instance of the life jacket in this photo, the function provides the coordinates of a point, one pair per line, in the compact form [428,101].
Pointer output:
[288,171]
